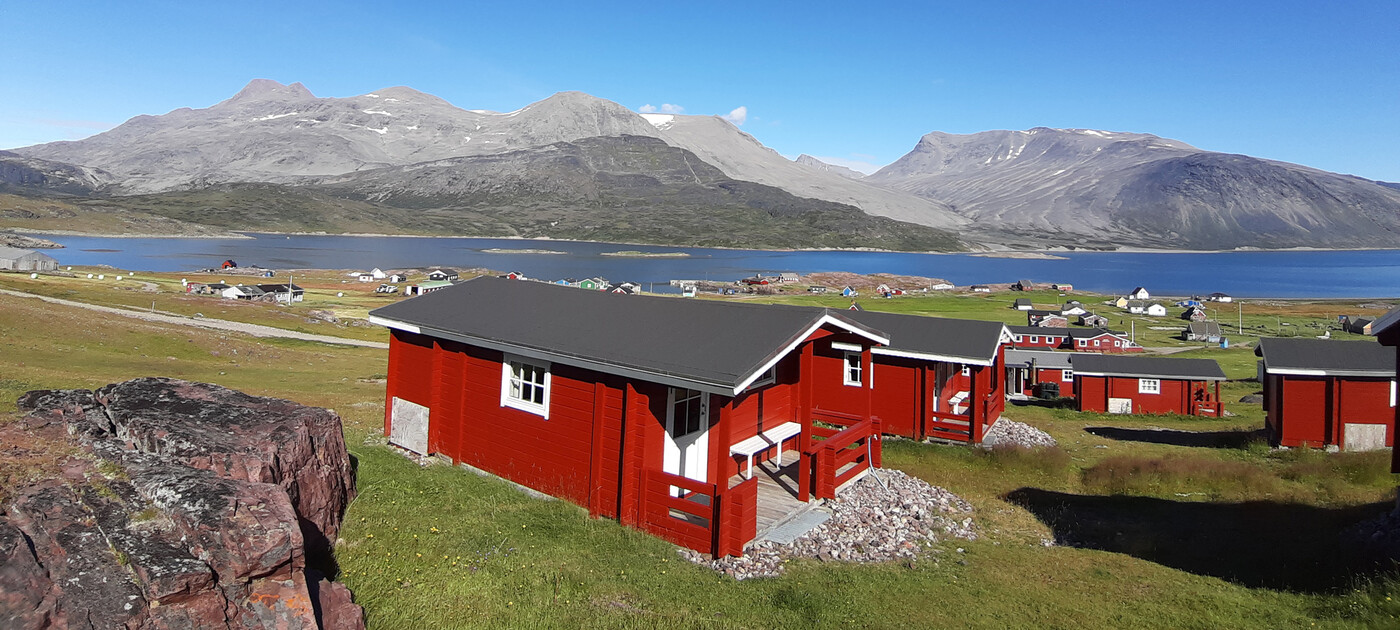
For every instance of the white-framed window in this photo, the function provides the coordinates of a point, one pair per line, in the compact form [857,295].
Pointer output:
[1066,375]
[967,370]
[1096,342]
[851,373]
[1018,338]
[687,411]
[1392,393]
[1149,386]
[1035,338]
[768,377]
[525,385]
[1115,344]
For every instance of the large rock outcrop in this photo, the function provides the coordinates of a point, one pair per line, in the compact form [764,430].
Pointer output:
[184,505]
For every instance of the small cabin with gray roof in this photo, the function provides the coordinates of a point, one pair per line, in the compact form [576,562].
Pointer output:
[663,413]
[1115,383]
[1322,392]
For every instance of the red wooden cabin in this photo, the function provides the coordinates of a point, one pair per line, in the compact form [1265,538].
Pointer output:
[938,378]
[1100,340]
[644,409]
[1108,383]
[1319,392]
[1032,337]
[1388,333]
[1026,368]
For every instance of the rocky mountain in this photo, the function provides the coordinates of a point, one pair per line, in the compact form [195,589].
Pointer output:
[270,132]
[1096,188]
[741,156]
[807,160]
[21,174]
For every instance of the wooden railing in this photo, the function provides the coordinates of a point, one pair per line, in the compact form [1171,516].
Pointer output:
[948,426]
[700,518]
[838,456]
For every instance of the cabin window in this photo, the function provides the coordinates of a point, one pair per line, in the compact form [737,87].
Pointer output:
[1149,386]
[1018,338]
[1066,375]
[525,385]
[967,370]
[1035,338]
[768,377]
[1115,344]
[687,412]
[1096,343]
[853,367]
[1392,393]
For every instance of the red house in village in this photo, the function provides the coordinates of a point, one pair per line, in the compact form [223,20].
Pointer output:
[665,414]
[1031,337]
[1319,392]
[1027,368]
[1108,383]
[939,378]
[1077,339]
[1388,333]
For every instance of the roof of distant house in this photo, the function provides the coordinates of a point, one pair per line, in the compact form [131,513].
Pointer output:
[938,338]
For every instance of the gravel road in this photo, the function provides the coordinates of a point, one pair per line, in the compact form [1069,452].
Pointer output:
[256,330]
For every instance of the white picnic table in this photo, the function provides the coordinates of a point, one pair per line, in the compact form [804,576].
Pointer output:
[772,437]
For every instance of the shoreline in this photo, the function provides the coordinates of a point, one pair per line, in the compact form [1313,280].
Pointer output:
[1051,253]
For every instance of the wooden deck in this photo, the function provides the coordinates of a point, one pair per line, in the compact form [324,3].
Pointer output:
[777,491]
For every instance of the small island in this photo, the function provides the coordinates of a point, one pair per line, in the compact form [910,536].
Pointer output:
[637,254]
[1020,255]
[498,250]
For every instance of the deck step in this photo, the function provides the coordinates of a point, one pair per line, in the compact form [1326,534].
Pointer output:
[795,525]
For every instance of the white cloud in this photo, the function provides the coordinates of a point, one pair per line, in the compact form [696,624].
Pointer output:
[738,116]
[667,108]
[647,109]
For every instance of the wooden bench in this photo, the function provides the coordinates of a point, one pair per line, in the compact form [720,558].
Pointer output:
[956,402]
[772,437]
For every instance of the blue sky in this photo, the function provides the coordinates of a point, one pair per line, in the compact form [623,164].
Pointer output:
[1316,83]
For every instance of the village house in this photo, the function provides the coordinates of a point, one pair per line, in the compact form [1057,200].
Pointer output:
[1022,304]
[1046,319]
[1071,309]
[1139,294]
[1220,297]
[1357,324]
[593,284]
[1155,310]
[981,288]
[665,414]
[941,286]
[16,259]
[1121,302]
[440,275]
[847,291]
[397,278]
[1062,288]
[1023,285]
[427,287]
[1137,307]
[1194,314]
[938,377]
[1032,337]
[816,289]
[1027,368]
[1100,340]
[1202,331]
[1093,321]
[242,292]
[1108,383]
[789,277]
[283,292]
[378,273]
[365,276]
[1328,393]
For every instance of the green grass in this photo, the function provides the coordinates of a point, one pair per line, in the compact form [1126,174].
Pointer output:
[1248,546]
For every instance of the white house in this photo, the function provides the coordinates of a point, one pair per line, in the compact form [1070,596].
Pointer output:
[1156,310]
[378,273]
[1139,294]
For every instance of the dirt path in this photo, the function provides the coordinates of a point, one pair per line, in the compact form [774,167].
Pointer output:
[256,330]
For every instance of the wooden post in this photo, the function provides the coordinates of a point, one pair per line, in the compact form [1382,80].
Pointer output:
[804,439]
[869,359]
[595,458]
[925,405]
[974,421]
[629,471]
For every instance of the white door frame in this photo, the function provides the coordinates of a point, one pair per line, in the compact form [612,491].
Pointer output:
[688,455]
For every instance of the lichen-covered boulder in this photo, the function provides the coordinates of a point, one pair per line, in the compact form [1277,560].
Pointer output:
[188,506]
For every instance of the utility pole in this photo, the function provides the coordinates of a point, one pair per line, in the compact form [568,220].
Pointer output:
[1240,309]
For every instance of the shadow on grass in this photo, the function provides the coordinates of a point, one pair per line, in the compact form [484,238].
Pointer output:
[1048,403]
[1204,439]
[1258,544]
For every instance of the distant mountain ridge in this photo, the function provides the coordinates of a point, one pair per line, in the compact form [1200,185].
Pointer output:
[398,149]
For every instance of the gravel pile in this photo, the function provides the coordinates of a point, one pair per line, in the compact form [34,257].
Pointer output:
[1011,433]
[869,523]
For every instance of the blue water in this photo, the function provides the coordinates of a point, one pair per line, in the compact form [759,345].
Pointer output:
[1364,273]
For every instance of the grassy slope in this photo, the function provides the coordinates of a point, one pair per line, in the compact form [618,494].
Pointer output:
[527,562]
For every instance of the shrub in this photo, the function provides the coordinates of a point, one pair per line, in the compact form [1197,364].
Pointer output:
[1177,476]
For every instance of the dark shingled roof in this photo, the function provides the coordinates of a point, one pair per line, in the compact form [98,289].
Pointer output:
[708,344]
[1385,321]
[1325,357]
[1148,367]
[1047,359]
[937,336]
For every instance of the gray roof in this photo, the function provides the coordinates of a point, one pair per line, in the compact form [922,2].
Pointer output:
[1203,328]
[1148,367]
[1385,321]
[936,337]
[15,253]
[1020,301]
[716,346]
[1048,359]
[1324,357]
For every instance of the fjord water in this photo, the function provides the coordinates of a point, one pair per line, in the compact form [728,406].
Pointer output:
[1353,273]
